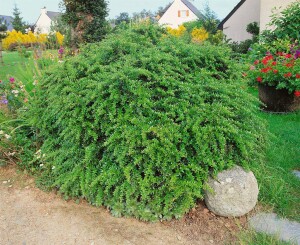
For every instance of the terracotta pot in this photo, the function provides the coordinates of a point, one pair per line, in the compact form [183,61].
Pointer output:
[277,100]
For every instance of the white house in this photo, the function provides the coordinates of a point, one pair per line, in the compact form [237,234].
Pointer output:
[179,12]
[45,20]
[248,11]
[267,6]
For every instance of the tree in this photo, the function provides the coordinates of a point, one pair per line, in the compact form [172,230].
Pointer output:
[3,29]
[144,14]
[122,18]
[87,20]
[211,21]
[18,23]
[161,10]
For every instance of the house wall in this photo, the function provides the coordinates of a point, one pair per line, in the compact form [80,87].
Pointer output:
[235,27]
[43,24]
[266,10]
[170,17]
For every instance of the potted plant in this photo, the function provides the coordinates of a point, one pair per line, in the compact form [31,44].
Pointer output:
[277,74]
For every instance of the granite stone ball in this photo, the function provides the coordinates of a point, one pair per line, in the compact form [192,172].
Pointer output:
[233,193]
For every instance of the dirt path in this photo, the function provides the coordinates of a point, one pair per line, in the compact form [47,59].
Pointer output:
[31,216]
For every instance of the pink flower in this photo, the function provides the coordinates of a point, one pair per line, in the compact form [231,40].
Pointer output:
[12,80]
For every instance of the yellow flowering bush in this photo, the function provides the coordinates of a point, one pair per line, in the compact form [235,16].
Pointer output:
[199,35]
[15,38]
[176,32]
[59,38]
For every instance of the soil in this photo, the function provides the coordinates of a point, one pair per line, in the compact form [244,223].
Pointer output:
[31,216]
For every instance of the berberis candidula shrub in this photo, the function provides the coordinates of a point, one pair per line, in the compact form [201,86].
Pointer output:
[139,121]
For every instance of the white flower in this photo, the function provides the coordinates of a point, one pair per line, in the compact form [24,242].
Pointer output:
[43,155]
[7,136]
[15,92]
[53,167]
[41,165]
[1,132]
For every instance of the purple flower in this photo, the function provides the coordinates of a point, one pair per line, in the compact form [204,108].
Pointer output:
[61,50]
[4,100]
[297,54]
[12,80]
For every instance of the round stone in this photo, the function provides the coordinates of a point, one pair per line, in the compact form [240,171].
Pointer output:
[233,193]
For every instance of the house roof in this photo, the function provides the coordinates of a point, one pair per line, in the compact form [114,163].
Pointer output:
[189,5]
[8,20]
[192,8]
[53,15]
[220,26]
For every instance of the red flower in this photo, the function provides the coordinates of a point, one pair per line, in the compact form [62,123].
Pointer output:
[297,93]
[280,54]
[274,63]
[289,74]
[256,62]
[265,70]
[275,71]
[289,65]
[265,61]
[298,75]
[288,56]
[259,79]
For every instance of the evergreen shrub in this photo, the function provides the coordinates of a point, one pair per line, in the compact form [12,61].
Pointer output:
[139,121]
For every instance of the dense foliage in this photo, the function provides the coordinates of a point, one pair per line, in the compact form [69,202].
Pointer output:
[276,59]
[279,66]
[139,121]
[87,18]
[285,24]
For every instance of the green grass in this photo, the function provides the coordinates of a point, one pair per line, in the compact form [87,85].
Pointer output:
[12,63]
[253,238]
[279,187]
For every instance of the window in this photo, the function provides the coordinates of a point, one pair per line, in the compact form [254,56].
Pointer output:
[183,13]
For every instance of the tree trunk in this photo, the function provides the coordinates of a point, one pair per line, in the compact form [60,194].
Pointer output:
[1,57]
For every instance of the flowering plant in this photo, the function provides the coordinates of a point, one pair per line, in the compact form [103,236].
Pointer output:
[278,68]
[13,94]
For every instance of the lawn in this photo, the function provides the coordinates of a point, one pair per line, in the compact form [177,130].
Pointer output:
[279,188]
[12,63]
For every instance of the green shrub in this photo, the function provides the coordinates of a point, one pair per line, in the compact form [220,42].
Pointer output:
[139,121]
[284,24]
